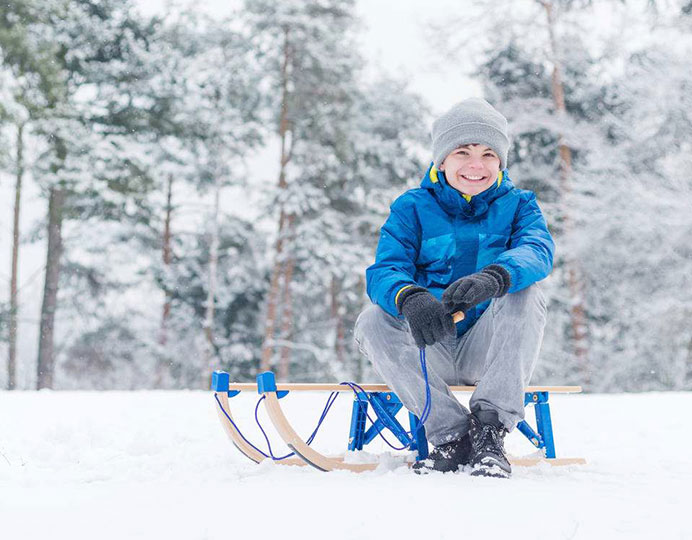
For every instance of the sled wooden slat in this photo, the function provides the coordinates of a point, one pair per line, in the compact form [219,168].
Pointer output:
[330,387]
[249,451]
[232,432]
[295,443]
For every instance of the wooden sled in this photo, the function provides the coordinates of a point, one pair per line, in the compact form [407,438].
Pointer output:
[386,405]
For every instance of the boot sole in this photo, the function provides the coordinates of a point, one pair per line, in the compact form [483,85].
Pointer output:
[428,470]
[490,468]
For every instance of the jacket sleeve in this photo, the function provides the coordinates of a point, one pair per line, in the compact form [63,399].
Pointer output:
[397,251]
[530,255]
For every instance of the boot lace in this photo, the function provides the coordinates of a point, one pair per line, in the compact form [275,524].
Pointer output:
[489,438]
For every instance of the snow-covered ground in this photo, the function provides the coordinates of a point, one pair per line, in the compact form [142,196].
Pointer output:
[80,465]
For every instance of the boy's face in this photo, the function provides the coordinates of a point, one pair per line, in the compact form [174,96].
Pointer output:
[471,169]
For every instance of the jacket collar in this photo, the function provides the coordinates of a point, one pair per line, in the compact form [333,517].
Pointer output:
[454,203]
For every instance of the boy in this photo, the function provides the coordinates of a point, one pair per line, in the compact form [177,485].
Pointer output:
[467,240]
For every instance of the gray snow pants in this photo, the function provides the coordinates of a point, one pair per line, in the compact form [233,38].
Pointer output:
[497,354]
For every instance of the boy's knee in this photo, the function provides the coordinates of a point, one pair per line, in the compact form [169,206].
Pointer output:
[529,301]
[374,321]
[367,321]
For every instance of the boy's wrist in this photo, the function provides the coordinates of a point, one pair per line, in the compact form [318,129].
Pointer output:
[405,293]
[501,275]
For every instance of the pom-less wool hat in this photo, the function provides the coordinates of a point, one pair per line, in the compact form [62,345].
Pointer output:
[472,121]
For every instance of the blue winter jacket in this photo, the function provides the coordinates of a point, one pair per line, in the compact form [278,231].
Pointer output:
[433,236]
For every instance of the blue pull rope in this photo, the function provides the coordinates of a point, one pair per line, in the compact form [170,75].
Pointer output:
[269,445]
[426,409]
[428,397]
[330,401]
[228,417]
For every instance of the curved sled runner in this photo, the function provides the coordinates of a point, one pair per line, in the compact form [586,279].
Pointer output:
[386,405]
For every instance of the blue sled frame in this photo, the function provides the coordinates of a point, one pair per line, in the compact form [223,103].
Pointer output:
[386,405]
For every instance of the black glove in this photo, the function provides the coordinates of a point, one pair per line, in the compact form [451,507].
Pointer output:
[427,317]
[491,282]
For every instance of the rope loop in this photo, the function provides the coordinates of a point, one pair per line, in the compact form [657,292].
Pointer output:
[330,401]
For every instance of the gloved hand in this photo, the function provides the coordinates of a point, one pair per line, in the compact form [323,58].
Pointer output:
[491,282]
[427,317]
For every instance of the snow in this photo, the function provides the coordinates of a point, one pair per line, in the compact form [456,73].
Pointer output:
[157,464]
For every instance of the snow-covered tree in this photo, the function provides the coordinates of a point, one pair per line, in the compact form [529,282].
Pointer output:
[190,125]
[309,65]
[83,44]
[27,85]
[553,152]
[354,178]
[228,116]
[321,122]
[644,295]
[584,109]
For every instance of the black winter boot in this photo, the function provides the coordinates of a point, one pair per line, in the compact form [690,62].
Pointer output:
[447,457]
[487,438]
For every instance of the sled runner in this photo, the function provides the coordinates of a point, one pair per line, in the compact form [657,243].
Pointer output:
[385,404]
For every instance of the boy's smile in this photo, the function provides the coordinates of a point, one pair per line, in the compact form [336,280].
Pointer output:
[471,169]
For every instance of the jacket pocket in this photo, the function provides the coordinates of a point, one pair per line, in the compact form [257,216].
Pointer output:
[435,259]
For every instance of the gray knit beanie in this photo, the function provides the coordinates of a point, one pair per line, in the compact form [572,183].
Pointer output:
[472,121]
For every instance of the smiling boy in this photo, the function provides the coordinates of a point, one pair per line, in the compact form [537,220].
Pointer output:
[467,240]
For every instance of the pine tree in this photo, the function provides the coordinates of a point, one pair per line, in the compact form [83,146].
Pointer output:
[644,333]
[237,302]
[13,112]
[71,52]
[189,128]
[374,160]
[315,289]
[309,67]
[28,82]
[223,127]
[523,88]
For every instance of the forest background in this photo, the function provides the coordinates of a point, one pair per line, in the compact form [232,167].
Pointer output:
[183,191]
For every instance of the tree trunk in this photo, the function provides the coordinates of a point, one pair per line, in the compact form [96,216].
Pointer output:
[681,368]
[46,360]
[272,299]
[213,264]
[688,367]
[287,309]
[278,267]
[14,300]
[575,282]
[166,256]
[338,321]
